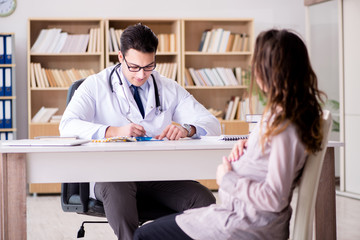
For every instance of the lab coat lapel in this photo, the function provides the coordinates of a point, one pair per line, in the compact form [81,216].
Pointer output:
[151,102]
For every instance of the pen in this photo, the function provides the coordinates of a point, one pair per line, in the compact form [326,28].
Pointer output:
[145,135]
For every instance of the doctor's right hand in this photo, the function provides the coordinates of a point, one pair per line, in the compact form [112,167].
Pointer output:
[238,150]
[130,130]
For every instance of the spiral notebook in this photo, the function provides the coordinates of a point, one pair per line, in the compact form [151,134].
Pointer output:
[233,137]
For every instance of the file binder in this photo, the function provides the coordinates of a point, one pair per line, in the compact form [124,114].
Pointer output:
[8,49]
[2,49]
[1,113]
[9,136]
[7,82]
[2,136]
[2,78]
[7,114]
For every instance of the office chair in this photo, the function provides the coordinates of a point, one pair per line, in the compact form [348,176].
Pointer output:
[308,187]
[75,196]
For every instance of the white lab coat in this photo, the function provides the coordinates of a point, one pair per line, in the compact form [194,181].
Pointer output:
[94,107]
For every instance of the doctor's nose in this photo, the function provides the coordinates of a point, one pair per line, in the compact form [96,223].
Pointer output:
[141,73]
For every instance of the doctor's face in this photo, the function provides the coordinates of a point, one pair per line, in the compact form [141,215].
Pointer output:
[132,61]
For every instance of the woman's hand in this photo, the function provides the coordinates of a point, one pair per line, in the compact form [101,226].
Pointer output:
[222,169]
[238,150]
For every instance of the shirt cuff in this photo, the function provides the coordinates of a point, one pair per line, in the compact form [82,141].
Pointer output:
[100,133]
[199,132]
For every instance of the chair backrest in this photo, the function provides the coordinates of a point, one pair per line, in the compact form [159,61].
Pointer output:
[74,196]
[72,89]
[308,187]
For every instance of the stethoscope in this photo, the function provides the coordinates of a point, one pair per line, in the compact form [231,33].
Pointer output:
[157,97]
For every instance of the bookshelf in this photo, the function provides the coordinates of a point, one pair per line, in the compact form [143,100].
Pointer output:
[55,96]
[193,56]
[8,87]
[168,32]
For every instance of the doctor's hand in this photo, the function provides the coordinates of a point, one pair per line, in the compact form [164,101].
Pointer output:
[130,130]
[173,132]
[222,169]
[238,150]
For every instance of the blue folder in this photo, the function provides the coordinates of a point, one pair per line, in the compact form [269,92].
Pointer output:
[2,49]
[2,81]
[7,114]
[1,113]
[8,49]
[7,82]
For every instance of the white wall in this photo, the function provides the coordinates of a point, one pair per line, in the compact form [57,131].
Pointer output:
[351,9]
[266,14]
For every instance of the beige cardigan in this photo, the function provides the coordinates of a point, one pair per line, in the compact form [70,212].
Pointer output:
[255,197]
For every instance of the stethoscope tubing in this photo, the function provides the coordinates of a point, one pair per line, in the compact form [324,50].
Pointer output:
[157,96]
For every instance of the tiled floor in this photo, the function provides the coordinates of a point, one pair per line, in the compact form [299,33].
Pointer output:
[47,221]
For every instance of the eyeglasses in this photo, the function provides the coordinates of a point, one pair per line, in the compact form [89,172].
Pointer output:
[137,68]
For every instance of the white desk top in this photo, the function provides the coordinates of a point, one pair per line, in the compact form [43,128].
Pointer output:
[188,144]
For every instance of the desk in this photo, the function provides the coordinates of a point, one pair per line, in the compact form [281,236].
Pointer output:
[141,161]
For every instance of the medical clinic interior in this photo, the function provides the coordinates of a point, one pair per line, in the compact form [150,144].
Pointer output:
[205,49]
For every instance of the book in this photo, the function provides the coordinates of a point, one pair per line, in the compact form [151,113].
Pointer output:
[207,41]
[229,108]
[188,79]
[44,115]
[224,41]
[202,40]
[234,108]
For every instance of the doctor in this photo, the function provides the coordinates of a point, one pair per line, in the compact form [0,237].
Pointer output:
[131,99]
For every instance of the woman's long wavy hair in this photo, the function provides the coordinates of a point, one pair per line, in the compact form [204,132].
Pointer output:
[282,69]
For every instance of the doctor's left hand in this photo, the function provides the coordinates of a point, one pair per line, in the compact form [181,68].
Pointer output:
[173,132]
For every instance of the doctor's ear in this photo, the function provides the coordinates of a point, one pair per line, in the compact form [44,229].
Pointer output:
[120,57]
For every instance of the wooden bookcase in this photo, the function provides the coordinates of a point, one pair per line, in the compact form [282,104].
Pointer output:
[158,26]
[185,54]
[216,96]
[8,77]
[56,96]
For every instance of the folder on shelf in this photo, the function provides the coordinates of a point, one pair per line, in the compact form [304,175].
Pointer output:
[8,49]
[2,49]
[2,136]
[7,114]
[9,136]
[2,78]
[7,82]
[1,113]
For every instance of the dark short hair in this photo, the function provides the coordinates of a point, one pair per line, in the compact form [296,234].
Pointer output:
[139,37]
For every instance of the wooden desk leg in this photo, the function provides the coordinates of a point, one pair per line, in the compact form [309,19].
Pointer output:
[12,197]
[325,208]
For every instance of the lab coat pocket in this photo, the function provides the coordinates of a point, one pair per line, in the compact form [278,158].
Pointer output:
[159,120]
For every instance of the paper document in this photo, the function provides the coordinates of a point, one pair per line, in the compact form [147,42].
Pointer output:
[45,142]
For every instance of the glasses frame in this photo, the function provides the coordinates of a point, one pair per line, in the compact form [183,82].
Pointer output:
[139,68]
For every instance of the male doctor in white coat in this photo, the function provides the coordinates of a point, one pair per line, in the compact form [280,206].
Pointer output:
[134,100]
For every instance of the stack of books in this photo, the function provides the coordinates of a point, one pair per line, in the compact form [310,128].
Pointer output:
[43,78]
[220,40]
[218,76]
[55,41]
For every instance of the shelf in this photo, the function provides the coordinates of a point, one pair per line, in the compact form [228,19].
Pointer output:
[56,96]
[50,89]
[215,87]
[65,54]
[7,65]
[7,129]
[197,53]
[7,97]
